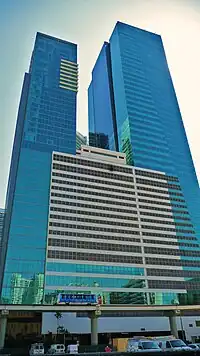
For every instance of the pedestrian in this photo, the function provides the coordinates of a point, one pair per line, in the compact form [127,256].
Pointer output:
[108,349]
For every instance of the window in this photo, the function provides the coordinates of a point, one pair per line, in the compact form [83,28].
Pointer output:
[168,345]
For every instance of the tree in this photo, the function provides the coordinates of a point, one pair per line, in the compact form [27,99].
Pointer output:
[58,316]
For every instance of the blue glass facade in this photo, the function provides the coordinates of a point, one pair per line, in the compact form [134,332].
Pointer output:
[102,126]
[46,122]
[150,129]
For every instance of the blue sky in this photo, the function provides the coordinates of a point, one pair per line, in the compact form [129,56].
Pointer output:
[88,23]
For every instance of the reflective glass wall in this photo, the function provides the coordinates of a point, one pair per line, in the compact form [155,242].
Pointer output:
[101,111]
[149,124]
[46,122]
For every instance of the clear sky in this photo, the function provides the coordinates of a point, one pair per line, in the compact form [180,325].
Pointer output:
[89,23]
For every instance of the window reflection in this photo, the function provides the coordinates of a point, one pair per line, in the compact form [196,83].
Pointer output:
[80,281]
[23,288]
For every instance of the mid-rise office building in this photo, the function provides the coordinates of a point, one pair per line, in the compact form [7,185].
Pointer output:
[132,103]
[80,140]
[123,233]
[122,219]
[46,122]
[111,231]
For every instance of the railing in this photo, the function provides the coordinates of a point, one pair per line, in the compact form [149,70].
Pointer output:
[20,352]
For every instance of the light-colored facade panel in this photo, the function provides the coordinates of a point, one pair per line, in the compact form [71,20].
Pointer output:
[116,230]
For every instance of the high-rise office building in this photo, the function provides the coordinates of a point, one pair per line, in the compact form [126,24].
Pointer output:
[80,140]
[46,122]
[133,102]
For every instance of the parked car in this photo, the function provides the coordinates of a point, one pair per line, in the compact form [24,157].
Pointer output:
[134,345]
[173,344]
[194,346]
[36,349]
[58,349]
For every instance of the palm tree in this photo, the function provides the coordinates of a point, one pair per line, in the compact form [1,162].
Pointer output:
[58,316]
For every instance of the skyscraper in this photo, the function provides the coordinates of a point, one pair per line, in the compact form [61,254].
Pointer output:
[46,121]
[142,108]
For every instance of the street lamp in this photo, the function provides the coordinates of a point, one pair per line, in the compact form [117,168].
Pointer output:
[178,312]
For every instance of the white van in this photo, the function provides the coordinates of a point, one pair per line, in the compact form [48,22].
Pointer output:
[72,349]
[36,349]
[134,345]
[173,344]
[58,349]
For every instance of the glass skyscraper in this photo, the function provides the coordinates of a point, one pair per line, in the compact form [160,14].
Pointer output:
[132,101]
[46,122]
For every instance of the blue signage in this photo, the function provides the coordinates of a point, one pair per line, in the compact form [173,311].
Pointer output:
[86,299]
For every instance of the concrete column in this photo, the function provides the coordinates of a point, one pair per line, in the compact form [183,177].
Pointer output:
[3,324]
[94,329]
[173,325]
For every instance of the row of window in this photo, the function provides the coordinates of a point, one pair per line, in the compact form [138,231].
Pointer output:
[166,222]
[160,197]
[80,256]
[89,206]
[144,97]
[92,180]
[157,143]
[130,232]
[171,273]
[93,213]
[91,221]
[164,216]
[185,212]
[99,208]
[169,242]
[171,262]
[144,233]
[94,228]
[167,229]
[96,200]
[158,184]
[164,192]
[156,175]
[90,245]
[94,236]
[90,163]
[92,268]
[90,186]
[160,203]
[79,281]
[80,212]
[157,284]
[173,252]
[175,194]
[89,172]
[89,192]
